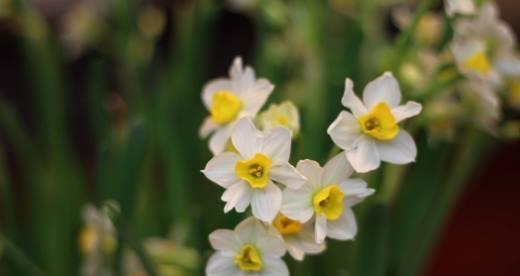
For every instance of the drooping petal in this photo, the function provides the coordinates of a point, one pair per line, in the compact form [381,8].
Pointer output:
[245,137]
[266,202]
[320,228]
[297,204]
[351,100]
[237,194]
[218,141]
[220,265]
[213,86]
[400,150]
[277,145]
[406,111]
[384,89]
[287,175]
[344,130]
[337,169]
[312,171]
[274,267]
[355,190]
[221,169]
[344,228]
[225,241]
[256,96]
[364,156]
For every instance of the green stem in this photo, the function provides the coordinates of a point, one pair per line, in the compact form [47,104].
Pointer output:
[17,256]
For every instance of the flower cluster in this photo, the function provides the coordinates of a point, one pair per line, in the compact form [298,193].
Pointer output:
[293,209]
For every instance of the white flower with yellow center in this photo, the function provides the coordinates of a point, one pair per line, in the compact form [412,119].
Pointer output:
[298,236]
[281,115]
[249,175]
[328,195]
[228,100]
[248,250]
[463,7]
[484,47]
[370,134]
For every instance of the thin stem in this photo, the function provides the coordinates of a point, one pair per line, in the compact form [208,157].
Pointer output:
[17,256]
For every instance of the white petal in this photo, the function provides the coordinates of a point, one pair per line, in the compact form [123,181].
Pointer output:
[465,7]
[248,230]
[320,228]
[364,156]
[218,141]
[344,228]
[508,64]
[221,169]
[256,96]
[400,150]
[214,86]
[352,101]
[297,204]
[245,138]
[287,175]
[296,252]
[266,202]
[274,267]
[406,111]
[336,170]
[219,265]
[355,190]
[242,78]
[383,89]
[304,243]
[277,145]
[225,241]
[207,127]
[235,195]
[344,130]
[312,171]
[270,245]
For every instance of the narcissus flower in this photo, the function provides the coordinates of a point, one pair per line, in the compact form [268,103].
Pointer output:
[298,236]
[281,115]
[249,176]
[328,195]
[484,47]
[228,100]
[463,7]
[371,134]
[248,250]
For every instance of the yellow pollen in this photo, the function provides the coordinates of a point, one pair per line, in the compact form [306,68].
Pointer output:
[287,226]
[329,202]
[225,107]
[379,123]
[87,239]
[255,170]
[282,120]
[249,259]
[478,62]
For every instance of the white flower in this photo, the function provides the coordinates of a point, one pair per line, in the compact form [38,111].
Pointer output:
[484,47]
[249,175]
[463,7]
[298,237]
[248,250]
[484,104]
[281,115]
[371,134]
[228,100]
[328,195]
[97,242]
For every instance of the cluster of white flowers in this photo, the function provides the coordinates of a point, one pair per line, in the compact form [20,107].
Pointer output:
[293,208]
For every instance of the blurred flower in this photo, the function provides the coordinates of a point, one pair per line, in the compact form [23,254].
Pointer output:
[463,7]
[483,103]
[243,5]
[169,259]
[484,47]
[513,94]
[328,195]
[298,237]
[248,250]
[371,134]
[429,27]
[97,242]
[151,21]
[228,100]
[284,114]
[443,113]
[249,175]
